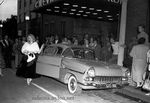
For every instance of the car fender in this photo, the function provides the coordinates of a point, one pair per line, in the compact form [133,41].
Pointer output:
[67,77]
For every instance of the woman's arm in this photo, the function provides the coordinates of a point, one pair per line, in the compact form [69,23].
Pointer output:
[24,49]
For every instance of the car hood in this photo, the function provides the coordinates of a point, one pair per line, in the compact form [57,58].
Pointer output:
[103,68]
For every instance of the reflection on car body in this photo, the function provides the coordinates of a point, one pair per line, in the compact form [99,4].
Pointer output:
[76,66]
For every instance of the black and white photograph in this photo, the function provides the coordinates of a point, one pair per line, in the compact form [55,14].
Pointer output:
[74,51]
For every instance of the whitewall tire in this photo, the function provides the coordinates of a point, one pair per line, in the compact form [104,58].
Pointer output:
[73,85]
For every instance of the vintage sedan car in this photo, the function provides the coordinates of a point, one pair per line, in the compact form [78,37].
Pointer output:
[77,67]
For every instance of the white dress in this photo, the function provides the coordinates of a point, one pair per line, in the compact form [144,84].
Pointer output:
[139,63]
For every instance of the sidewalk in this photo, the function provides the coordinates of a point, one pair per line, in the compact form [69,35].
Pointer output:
[132,92]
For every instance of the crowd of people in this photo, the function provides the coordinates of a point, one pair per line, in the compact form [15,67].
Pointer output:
[106,49]
[103,47]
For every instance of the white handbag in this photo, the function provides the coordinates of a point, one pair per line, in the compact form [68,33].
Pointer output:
[31,57]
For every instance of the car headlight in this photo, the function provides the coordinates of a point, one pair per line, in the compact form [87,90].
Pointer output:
[91,72]
[127,73]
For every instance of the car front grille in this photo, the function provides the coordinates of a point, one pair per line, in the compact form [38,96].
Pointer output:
[107,79]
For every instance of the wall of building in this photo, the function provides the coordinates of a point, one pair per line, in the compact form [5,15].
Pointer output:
[77,26]
[24,9]
[137,13]
[94,28]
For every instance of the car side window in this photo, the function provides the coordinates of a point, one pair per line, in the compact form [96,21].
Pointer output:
[59,51]
[89,54]
[84,54]
[50,50]
[68,53]
[78,53]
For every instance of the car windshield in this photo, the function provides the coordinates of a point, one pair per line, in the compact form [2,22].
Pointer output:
[84,53]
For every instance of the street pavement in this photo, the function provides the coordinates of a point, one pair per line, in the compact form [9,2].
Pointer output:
[135,93]
[48,90]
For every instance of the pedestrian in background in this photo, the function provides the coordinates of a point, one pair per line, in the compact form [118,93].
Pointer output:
[142,33]
[16,51]
[139,56]
[106,51]
[7,51]
[115,50]
[97,49]
[2,64]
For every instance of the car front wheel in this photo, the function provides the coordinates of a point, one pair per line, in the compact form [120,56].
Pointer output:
[73,85]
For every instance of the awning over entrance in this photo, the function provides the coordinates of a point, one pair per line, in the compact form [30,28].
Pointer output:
[104,10]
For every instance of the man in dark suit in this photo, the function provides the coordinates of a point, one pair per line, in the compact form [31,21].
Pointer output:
[7,51]
[97,49]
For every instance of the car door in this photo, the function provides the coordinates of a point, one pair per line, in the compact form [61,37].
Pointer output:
[48,63]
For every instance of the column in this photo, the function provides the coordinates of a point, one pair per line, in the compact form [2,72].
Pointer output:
[122,32]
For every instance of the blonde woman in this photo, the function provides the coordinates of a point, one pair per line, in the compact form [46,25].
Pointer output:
[30,49]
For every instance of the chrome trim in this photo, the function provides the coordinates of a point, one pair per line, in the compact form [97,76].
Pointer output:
[48,64]
[74,71]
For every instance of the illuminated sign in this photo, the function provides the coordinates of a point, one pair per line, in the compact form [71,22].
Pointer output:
[115,1]
[41,3]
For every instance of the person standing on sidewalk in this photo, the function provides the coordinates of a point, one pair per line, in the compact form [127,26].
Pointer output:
[2,64]
[142,33]
[139,62]
[7,52]
[16,51]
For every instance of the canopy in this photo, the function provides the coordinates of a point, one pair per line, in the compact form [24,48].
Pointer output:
[104,10]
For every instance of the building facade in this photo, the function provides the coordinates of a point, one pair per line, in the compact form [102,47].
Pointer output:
[43,24]
[27,20]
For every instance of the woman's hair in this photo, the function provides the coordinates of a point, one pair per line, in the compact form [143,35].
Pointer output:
[32,36]
[141,40]
[141,25]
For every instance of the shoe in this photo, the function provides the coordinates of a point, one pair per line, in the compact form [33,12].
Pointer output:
[148,94]
[29,81]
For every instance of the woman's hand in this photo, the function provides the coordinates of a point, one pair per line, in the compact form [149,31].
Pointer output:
[123,45]
[26,52]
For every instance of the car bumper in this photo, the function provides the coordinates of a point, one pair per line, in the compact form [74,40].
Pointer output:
[103,86]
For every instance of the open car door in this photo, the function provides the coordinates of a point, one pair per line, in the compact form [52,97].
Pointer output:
[49,62]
